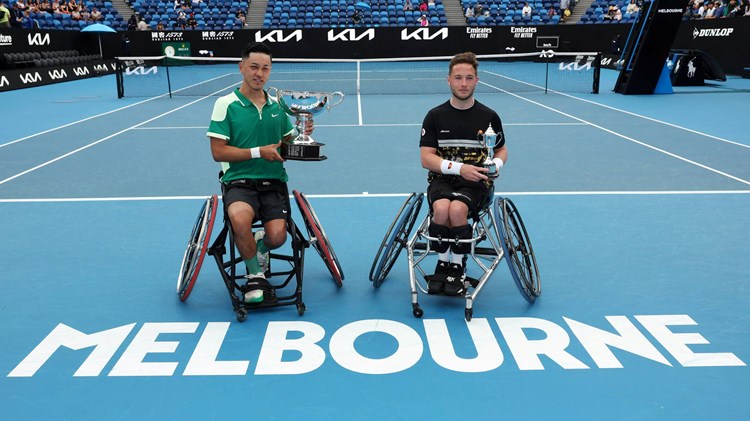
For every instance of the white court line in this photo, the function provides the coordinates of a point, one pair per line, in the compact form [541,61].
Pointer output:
[681,158]
[78,121]
[655,120]
[383,195]
[44,164]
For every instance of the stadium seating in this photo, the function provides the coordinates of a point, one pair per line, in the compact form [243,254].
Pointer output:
[220,14]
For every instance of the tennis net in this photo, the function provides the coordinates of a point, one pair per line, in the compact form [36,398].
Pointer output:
[205,76]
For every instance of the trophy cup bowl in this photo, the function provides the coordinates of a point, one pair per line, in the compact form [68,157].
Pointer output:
[303,105]
[488,139]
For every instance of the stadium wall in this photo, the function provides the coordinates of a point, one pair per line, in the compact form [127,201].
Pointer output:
[723,39]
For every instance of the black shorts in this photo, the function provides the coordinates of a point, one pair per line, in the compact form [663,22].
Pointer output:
[267,197]
[472,193]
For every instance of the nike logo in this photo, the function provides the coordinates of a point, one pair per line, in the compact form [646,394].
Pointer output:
[445,131]
[274,115]
[284,211]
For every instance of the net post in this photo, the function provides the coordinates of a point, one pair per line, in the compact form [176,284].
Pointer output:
[597,71]
[118,78]
[169,81]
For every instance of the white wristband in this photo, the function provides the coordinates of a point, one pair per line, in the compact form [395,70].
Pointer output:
[450,167]
[498,162]
[255,152]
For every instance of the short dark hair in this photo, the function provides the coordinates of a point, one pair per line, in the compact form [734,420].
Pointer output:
[256,47]
[464,58]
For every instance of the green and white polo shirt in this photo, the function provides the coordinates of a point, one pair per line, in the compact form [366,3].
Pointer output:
[237,120]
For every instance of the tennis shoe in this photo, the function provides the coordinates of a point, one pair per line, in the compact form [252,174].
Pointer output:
[254,287]
[454,284]
[263,258]
[437,282]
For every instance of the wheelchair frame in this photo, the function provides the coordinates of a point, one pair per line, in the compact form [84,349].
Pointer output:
[497,223]
[198,247]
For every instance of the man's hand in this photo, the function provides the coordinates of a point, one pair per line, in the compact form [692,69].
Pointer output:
[473,173]
[270,152]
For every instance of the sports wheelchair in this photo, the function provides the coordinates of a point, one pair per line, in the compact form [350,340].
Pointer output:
[279,293]
[497,232]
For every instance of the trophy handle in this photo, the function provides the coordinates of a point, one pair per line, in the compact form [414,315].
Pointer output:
[333,95]
[275,90]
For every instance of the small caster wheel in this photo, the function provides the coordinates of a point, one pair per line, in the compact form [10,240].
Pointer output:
[301,308]
[468,313]
[417,312]
[241,315]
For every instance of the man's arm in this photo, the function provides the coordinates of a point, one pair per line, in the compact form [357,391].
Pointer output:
[434,163]
[222,151]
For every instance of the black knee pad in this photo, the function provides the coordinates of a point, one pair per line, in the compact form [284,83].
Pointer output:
[440,231]
[461,233]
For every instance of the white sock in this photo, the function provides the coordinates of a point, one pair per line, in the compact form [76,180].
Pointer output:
[457,259]
[445,257]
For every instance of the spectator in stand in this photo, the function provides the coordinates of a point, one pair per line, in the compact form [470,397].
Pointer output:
[196,3]
[408,5]
[733,9]
[709,12]
[4,15]
[29,22]
[357,17]
[423,6]
[478,9]
[746,9]
[191,22]
[430,3]
[143,25]
[551,12]
[526,11]
[133,22]
[181,19]
[241,16]
[564,4]
[160,26]
[177,5]
[423,21]
[96,15]
[469,12]
[75,14]
[632,7]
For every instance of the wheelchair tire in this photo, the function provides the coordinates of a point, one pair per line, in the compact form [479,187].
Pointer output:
[517,248]
[196,248]
[395,239]
[318,238]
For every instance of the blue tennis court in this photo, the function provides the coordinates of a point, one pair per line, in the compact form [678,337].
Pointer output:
[637,207]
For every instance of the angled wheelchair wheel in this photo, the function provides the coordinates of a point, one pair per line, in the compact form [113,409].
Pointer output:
[517,248]
[395,239]
[196,248]
[318,238]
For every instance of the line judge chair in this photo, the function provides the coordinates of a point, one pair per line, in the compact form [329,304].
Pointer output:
[497,232]
[282,269]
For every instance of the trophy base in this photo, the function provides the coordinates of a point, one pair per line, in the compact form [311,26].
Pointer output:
[302,152]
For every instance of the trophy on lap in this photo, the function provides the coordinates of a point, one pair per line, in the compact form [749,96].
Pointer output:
[304,105]
[488,139]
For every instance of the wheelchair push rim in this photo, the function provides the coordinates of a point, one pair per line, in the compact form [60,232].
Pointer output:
[519,253]
[395,239]
[196,248]
[318,238]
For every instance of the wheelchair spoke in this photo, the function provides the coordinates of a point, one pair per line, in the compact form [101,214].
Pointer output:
[318,238]
[196,248]
[395,239]
[517,247]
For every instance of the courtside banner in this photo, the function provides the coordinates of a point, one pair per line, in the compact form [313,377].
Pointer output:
[37,76]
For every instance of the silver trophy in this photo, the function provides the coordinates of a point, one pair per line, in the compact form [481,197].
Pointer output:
[489,140]
[304,105]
